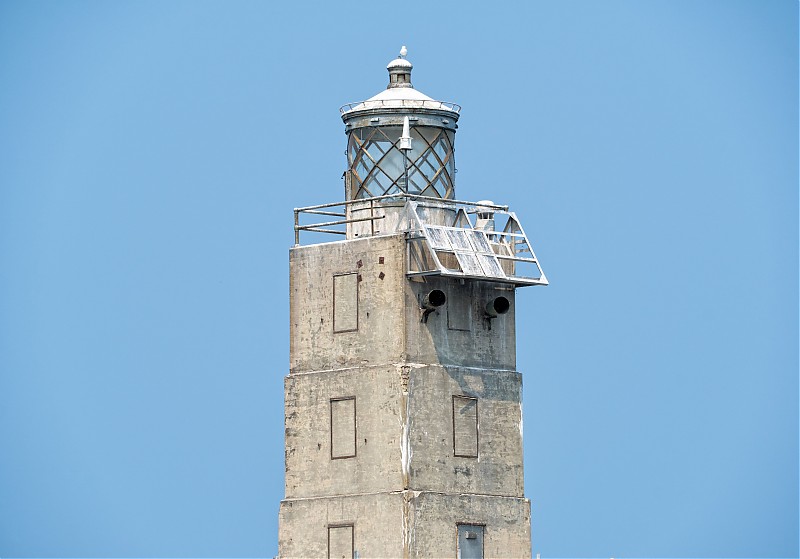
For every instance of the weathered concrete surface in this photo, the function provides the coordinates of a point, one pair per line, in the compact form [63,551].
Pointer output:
[405,524]
[404,431]
[310,471]
[378,525]
[379,339]
[498,468]
[433,518]
[405,489]
[490,343]
[389,325]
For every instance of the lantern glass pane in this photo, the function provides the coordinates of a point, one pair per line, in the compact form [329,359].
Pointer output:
[379,166]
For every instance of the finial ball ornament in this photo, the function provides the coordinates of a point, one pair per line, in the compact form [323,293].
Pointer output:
[403,51]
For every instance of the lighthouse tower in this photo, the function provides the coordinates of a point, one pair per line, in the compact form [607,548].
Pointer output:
[403,402]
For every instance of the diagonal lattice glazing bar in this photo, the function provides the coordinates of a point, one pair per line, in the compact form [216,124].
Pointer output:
[378,167]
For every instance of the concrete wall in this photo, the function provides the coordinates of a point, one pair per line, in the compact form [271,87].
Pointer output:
[379,339]
[497,470]
[405,524]
[378,525]
[488,343]
[404,489]
[434,518]
[310,471]
[404,432]
[389,326]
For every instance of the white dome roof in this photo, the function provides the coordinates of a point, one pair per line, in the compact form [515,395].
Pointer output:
[398,93]
[399,63]
[396,98]
[400,96]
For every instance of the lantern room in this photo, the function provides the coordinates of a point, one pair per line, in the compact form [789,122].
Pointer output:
[400,141]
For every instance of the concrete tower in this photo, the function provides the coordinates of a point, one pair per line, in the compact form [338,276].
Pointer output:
[403,402]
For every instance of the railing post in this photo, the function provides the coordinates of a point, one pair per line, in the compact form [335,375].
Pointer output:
[296,227]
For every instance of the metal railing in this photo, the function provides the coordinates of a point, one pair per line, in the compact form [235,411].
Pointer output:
[478,248]
[322,227]
[401,103]
[323,209]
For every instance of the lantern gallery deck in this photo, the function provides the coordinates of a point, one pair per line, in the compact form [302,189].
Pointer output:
[469,244]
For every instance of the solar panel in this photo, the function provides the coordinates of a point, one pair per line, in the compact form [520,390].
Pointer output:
[491,267]
[458,238]
[471,249]
[469,263]
[437,237]
[480,242]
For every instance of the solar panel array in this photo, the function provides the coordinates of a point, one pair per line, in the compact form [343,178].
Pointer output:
[470,247]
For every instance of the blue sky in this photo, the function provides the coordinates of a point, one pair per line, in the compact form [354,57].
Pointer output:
[151,154]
